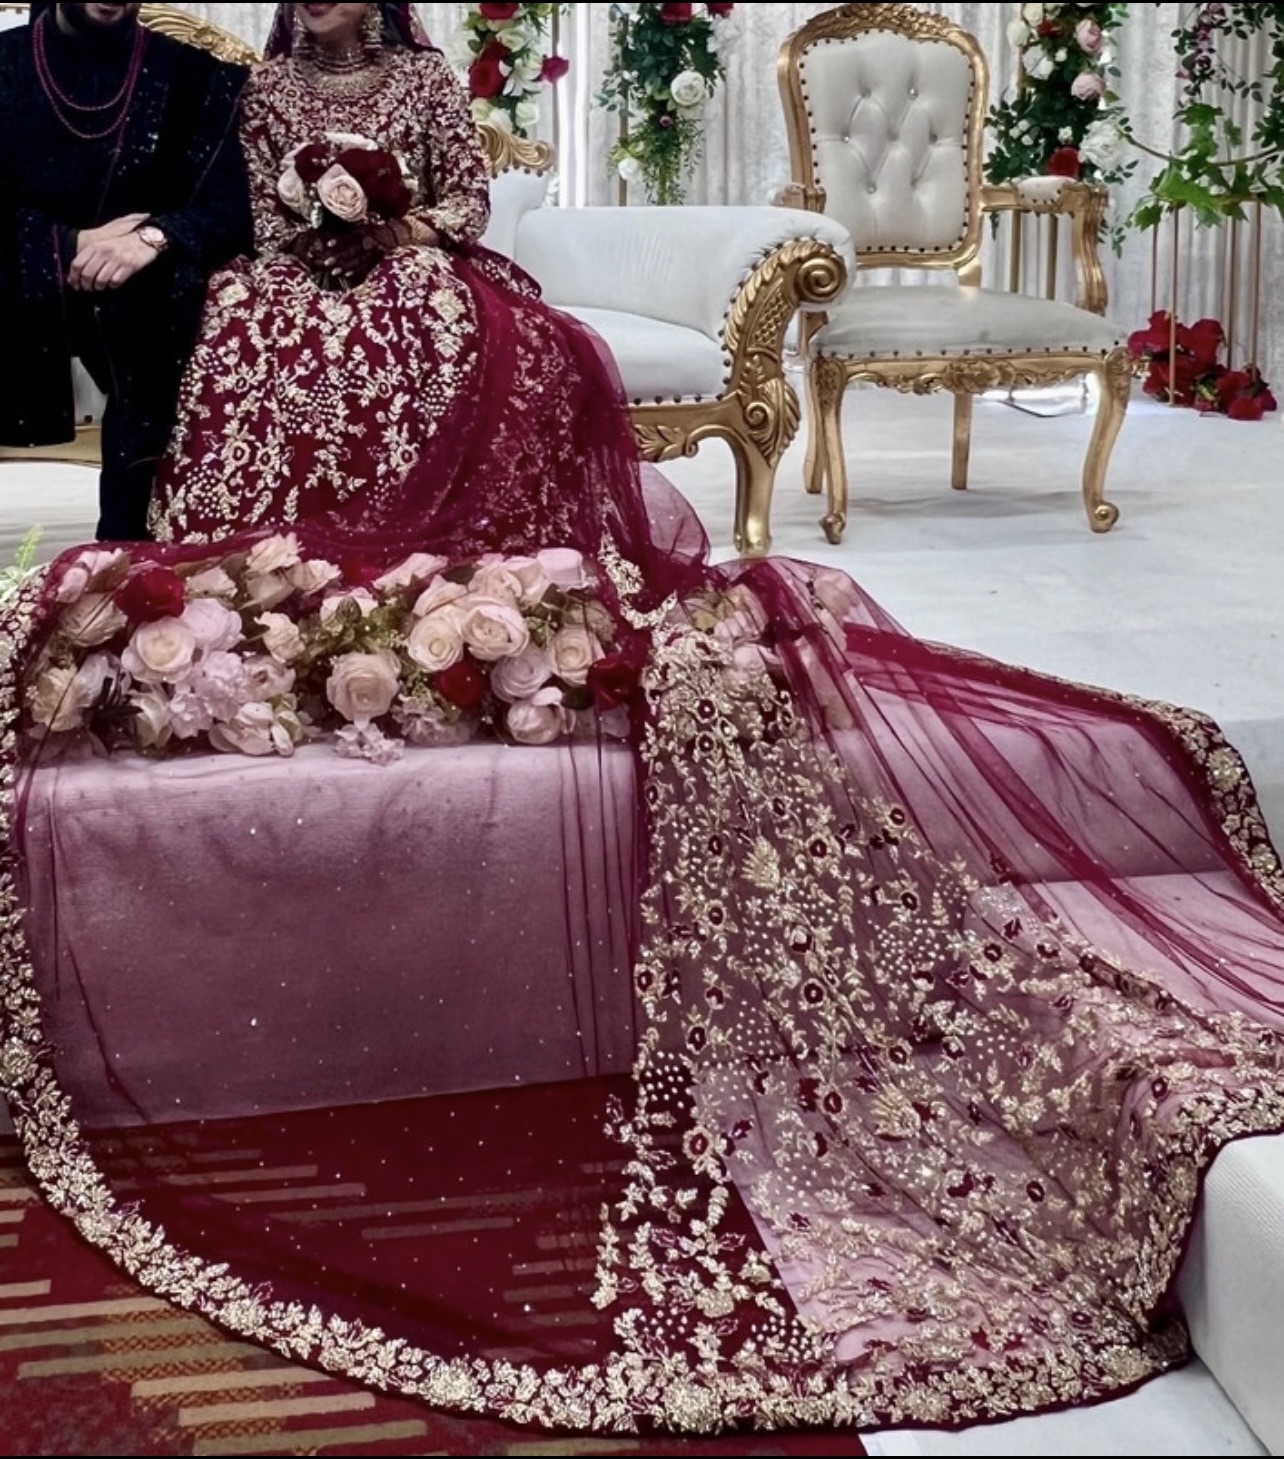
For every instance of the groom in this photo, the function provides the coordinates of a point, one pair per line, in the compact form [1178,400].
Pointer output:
[122,187]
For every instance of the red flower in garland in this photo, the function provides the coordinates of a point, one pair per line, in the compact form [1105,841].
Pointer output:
[497,12]
[1064,162]
[553,69]
[675,14]
[485,78]
[151,592]
[463,685]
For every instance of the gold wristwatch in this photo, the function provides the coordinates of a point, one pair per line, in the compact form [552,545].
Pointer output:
[153,237]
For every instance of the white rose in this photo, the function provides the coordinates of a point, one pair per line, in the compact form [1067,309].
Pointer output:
[435,641]
[523,675]
[1019,34]
[293,191]
[312,575]
[258,729]
[493,629]
[266,590]
[688,89]
[1102,143]
[213,624]
[265,678]
[61,696]
[91,620]
[437,595]
[210,582]
[574,649]
[273,553]
[629,168]
[363,686]
[495,579]
[160,651]
[362,597]
[151,723]
[281,637]
[526,114]
[94,569]
[532,579]
[539,720]
[1037,64]
[1032,14]
[418,568]
[565,567]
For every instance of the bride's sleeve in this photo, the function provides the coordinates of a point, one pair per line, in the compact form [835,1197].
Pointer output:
[274,226]
[457,187]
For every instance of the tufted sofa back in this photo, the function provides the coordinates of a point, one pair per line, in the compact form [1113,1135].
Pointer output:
[884,105]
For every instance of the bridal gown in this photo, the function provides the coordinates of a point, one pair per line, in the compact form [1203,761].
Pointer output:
[842,1042]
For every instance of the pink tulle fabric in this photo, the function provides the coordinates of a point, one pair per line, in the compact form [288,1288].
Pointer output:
[846,1047]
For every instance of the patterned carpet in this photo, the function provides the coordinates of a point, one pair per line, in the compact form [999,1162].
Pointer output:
[91,1365]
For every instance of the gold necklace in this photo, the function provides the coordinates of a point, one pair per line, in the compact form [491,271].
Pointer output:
[354,73]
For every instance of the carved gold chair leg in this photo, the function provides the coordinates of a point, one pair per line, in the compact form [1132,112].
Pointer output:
[815,472]
[755,483]
[1115,377]
[827,382]
[962,448]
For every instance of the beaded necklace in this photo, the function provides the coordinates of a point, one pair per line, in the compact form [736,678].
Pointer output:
[64,106]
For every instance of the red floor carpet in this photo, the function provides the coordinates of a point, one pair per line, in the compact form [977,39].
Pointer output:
[91,1365]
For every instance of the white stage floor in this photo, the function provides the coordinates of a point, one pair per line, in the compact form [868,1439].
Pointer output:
[1183,601]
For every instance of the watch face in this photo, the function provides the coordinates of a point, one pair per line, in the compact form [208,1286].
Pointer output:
[153,237]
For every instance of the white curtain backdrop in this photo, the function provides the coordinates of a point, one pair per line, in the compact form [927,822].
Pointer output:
[746,156]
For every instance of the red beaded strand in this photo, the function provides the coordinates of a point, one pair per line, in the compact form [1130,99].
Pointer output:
[58,99]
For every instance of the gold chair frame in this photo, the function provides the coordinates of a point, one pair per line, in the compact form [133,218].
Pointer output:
[757,412]
[964,376]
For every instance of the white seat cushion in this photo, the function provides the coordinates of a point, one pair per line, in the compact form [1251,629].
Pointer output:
[658,361]
[903,320]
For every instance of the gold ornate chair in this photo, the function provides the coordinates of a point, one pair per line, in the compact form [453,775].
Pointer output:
[694,303]
[884,106]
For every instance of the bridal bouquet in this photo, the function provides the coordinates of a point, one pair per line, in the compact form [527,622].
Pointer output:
[258,650]
[343,179]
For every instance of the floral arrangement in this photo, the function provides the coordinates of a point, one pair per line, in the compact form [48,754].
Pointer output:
[344,179]
[666,61]
[504,51]
[259,650]
[1184,367]
[1062,118]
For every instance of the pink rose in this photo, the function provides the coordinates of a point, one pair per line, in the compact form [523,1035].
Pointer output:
[93,570]
[91,620]
[213,624]
[293,191]
[533,578]
[436,641]
[160,651]
[281,637]
[220,684]
[363,686]
[565,567]
[539,720]
[437,595]
[312,575]
[258,729]
[1089,37]
[1087,86]
[493,629]
[189,715]
[574,651]
[340,193]
[414,571]
[273,554]
[523,675]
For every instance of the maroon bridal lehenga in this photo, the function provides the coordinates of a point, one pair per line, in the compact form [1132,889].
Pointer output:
[843,1043]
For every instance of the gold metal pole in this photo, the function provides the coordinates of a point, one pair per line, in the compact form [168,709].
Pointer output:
[1257,280]
[623,193]
[1232,292]
[1172,309]
[1014,260]
[554,46]
[1053,224]
[1154,268]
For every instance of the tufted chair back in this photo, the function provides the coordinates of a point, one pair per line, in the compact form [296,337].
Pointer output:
[885,106]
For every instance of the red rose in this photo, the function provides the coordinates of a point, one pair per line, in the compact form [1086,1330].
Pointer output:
[151,592]
[485,79]
[498,12]
[463,685]
[612,680]
[379,175]
[675,14]
[719,9]
[553,69]
[1247,407]
[312,161]
[1048,28]
[1064,162]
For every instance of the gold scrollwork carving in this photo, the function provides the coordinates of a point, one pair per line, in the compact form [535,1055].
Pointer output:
[182,26]
[506,152]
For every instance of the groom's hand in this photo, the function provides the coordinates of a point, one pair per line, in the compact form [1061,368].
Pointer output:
[110,255]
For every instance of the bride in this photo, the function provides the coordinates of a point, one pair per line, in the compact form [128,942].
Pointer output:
[719,1008]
